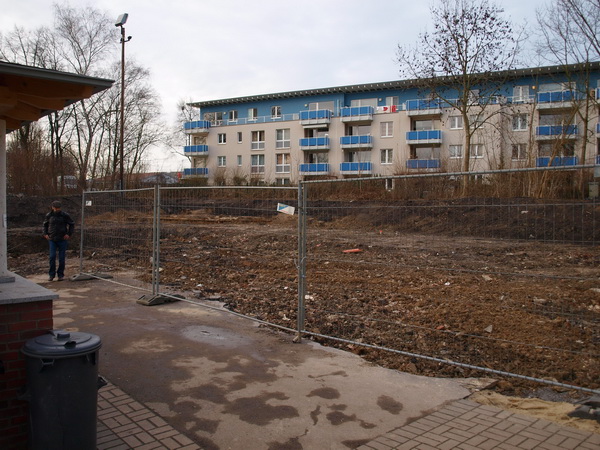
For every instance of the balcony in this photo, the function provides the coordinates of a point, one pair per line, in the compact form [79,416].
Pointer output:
[423,164]
[598,129]
[197,172]
[356,168]
[315,119]
[557,161]
[314,143]
[357,114]
[314,169]
[424,137]
[557,99]
[360,141]
[195,150]
[598,159]
[196,127]
[553,131]
[424,107]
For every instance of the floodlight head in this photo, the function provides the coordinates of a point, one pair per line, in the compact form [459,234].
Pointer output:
[121,20]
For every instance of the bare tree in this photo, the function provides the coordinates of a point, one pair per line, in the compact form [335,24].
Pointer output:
[464,62]
[569,35]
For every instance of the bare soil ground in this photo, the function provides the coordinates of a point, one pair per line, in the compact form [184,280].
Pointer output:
[527,308]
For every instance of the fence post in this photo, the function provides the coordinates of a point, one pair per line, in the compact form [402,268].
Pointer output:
[81,232]
[301,258]
[156,242]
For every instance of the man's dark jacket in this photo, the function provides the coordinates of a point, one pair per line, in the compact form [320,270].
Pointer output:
[57,224]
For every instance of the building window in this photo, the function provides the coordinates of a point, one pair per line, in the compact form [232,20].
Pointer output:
[221,161]
[553,149]
[275,112]
[239,160]
[257,164]
[282,163]
[252,113]
[283,138]
[392,101]
[520,93]
[456,122]
[476,151]
[455,151]
[387,129]
[282,181]
[233,115]
[258,140]
[519,152]
[423,125]
[519,122]
[214,117]
[222,138]
[239,137]
[387,155]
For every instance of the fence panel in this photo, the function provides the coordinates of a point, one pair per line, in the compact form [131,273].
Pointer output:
[456,285]
[116,235]
[231,245]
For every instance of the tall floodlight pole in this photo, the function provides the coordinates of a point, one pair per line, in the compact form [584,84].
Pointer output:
[120,23]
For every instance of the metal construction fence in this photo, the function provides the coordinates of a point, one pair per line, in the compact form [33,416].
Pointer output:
[439,274]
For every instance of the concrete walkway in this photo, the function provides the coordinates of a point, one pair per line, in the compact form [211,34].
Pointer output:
[184,377]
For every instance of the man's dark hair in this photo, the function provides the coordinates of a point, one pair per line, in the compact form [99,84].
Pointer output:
[56,204]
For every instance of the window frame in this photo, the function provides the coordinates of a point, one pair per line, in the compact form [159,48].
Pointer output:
[276,112]
[258,143]
[387,129]
[257,164]
[222,161]
[387,156]
[520,122]
[222,138]
[283,142]
[456,122]
[457,153]
[283,163]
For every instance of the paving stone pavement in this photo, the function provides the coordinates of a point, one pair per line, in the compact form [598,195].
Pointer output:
[467,425]
[124,423]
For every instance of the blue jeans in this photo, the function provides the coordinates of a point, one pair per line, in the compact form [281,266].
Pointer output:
[61,248]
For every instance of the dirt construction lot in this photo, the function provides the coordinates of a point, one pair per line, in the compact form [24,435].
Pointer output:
[444,306]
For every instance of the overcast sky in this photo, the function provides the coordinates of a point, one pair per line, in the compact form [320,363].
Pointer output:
[205,49]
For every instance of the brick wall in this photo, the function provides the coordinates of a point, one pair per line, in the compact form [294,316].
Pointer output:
[19,322]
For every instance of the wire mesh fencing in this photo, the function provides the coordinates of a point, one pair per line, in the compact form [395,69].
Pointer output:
[408,274]
[116,235]
[436,274]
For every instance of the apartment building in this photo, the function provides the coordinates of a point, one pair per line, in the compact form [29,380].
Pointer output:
[535,117]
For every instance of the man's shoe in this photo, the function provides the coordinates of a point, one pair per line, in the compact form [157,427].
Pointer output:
[50,278]
[60,278]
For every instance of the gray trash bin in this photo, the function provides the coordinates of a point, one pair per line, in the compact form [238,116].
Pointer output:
[62,390]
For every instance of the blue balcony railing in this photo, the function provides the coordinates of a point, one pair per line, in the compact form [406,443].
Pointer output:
[424,136]
[597,159]
[544,161]
[197,124]
[557,96]
[357,113]
[423,105]
[356,167]
[314,168]
[556,130]
[598,128]
[365,140]
[196,149]
[423,164]
[198,171]
[315,117]
[320,143]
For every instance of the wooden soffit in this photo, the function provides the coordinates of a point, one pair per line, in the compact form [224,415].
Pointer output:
[28,93]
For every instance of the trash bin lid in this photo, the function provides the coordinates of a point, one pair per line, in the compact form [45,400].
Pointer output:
[62,344]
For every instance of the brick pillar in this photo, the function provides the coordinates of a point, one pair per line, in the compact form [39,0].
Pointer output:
[19,322]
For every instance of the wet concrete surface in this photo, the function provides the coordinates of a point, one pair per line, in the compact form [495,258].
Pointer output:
[227,383]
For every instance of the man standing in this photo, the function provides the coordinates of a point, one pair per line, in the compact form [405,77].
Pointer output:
[58,229]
